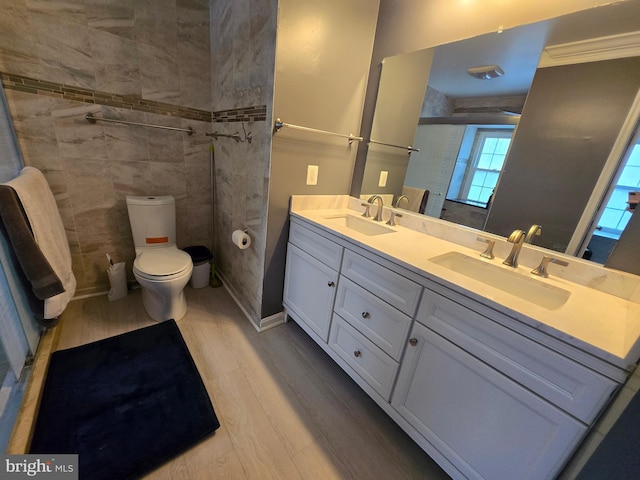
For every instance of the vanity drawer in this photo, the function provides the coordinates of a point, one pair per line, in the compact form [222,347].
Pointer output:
[369,362]
[328,252]
[574,388]
[384,325]
[393,288]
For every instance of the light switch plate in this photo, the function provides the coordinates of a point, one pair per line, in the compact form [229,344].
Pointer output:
[383,178]
[312,174]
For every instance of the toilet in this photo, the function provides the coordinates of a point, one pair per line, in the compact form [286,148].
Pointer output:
[160,267]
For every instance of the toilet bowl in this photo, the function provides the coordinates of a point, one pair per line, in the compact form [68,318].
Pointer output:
[161,269]
[163,273]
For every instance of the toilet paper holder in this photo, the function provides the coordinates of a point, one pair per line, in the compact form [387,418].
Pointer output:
[241,238]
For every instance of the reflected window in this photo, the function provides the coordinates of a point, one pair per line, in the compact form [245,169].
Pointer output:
[480,161]
[616,215]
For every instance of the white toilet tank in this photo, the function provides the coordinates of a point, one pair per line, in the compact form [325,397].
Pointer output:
[152,220]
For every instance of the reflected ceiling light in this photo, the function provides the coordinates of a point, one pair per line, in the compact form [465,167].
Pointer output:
[486,72]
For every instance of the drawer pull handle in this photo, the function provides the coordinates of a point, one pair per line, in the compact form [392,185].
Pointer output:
[330,283]
[357,353]
[413,342]
[365,315]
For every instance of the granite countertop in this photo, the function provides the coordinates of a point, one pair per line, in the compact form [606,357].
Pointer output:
[601,315]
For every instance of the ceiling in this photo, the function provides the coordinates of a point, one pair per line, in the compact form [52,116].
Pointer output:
[518,50]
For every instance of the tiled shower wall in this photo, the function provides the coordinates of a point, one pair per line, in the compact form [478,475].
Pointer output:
[168,62]
[91,168]
[243,43]
[151,50]
[156,49]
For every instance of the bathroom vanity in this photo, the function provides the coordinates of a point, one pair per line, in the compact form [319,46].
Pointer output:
[494,372]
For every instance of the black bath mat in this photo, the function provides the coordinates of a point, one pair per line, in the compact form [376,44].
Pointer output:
[125,404]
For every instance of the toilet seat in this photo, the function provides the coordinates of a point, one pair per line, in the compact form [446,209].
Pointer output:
[162,264]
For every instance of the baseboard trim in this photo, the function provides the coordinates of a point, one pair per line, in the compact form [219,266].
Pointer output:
[272,321]
[236,299]
[264,323]
[89,295]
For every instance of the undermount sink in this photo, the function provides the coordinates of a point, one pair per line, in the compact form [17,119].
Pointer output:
[359,224]
[526,288]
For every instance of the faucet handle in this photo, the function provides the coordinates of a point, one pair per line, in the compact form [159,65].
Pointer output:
[541,270]
[392,217]
[366,213]
[488,252]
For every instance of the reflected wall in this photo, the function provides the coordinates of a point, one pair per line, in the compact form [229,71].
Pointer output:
[570,122]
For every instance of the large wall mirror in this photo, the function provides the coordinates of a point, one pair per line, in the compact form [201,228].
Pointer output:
[515,128]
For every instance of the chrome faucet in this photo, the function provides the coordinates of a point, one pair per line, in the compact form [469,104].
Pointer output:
[533,231]
[517,238]
[401,197]
[378,217]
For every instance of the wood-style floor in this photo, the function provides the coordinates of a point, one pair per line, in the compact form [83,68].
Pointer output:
[287,411]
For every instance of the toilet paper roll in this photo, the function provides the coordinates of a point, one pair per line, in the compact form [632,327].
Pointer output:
[241,239]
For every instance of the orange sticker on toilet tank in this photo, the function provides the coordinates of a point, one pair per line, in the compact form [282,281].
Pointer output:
[157,239]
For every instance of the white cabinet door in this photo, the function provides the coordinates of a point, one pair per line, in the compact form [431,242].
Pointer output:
[309,291]
[488,426]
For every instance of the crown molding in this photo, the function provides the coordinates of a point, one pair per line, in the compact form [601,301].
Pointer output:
[592,50]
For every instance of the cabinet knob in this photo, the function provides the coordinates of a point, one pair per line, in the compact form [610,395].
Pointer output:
[365,315]
[330,283]
[357,353]
[413,342]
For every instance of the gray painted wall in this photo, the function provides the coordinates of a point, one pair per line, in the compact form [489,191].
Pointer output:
[391,160]
[322,58]
[569,124]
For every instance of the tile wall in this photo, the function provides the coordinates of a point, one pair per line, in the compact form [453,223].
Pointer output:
[243,45]
[92,167]
[143,61]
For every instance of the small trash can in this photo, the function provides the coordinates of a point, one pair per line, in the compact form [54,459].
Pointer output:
[200,256]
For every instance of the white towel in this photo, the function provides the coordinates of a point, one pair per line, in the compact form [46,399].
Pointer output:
[48,230]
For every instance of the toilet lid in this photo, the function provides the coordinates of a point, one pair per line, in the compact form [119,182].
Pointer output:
[162,261]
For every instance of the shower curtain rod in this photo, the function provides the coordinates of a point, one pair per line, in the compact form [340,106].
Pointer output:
[279,124]
[409,149]
[93,119]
